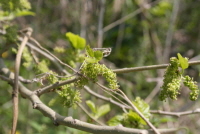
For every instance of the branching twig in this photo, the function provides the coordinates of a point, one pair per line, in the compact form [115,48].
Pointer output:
[46,55]
[152,67]
[42,48]
[69,121]
[177,114]
[106,98]
[55,85]
[16,79]
[107,90]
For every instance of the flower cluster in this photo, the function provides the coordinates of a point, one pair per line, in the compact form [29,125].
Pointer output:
[69,97]
[92,70]
[192,85]
[172,80]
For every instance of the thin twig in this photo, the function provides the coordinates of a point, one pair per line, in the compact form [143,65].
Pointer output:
[152,67]
[107,90]
[177,114]
[42,48]
[55,85]
[106,98]
[16,79]
[37,49]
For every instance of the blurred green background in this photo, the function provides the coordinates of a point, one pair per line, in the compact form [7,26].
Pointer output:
[140,32]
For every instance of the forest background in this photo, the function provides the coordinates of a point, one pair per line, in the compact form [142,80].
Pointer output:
[140,33]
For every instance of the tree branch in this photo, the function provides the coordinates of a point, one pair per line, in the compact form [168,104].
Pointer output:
[69,121]
[152,67]
[16,79]
[177,114]
[55,85]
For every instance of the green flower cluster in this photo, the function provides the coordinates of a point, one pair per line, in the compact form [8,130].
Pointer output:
[69,97]
[192,85]
[92,70]
[42,67]
[172,80]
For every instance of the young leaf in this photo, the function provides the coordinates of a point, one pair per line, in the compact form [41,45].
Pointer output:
[102,110]
[24,13]
[183,61]
[91,60]
[143,107]
[98,55]
[91,105]
[76,41]
[133,116]
[116,120]
[90,52]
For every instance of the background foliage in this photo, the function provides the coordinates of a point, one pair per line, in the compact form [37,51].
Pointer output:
[150,37]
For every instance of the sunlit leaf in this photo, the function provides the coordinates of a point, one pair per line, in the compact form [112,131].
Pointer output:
[102,110]
[116,120]
[91,105]
[90,52]
[133,116]
[167,119]
[91,60]
[24,13]
[76,41]
[143,107]
[98,55]
[183,61]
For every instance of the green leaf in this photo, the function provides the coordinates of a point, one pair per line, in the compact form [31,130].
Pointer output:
[167,119]
[183,61]
[94,56]
[91,105]
[90,52]
[98,55]
[132,119]
[76,41]
[133,116]
[91,60]
[102,110]
[24,13]
[116,120]
[142,106]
